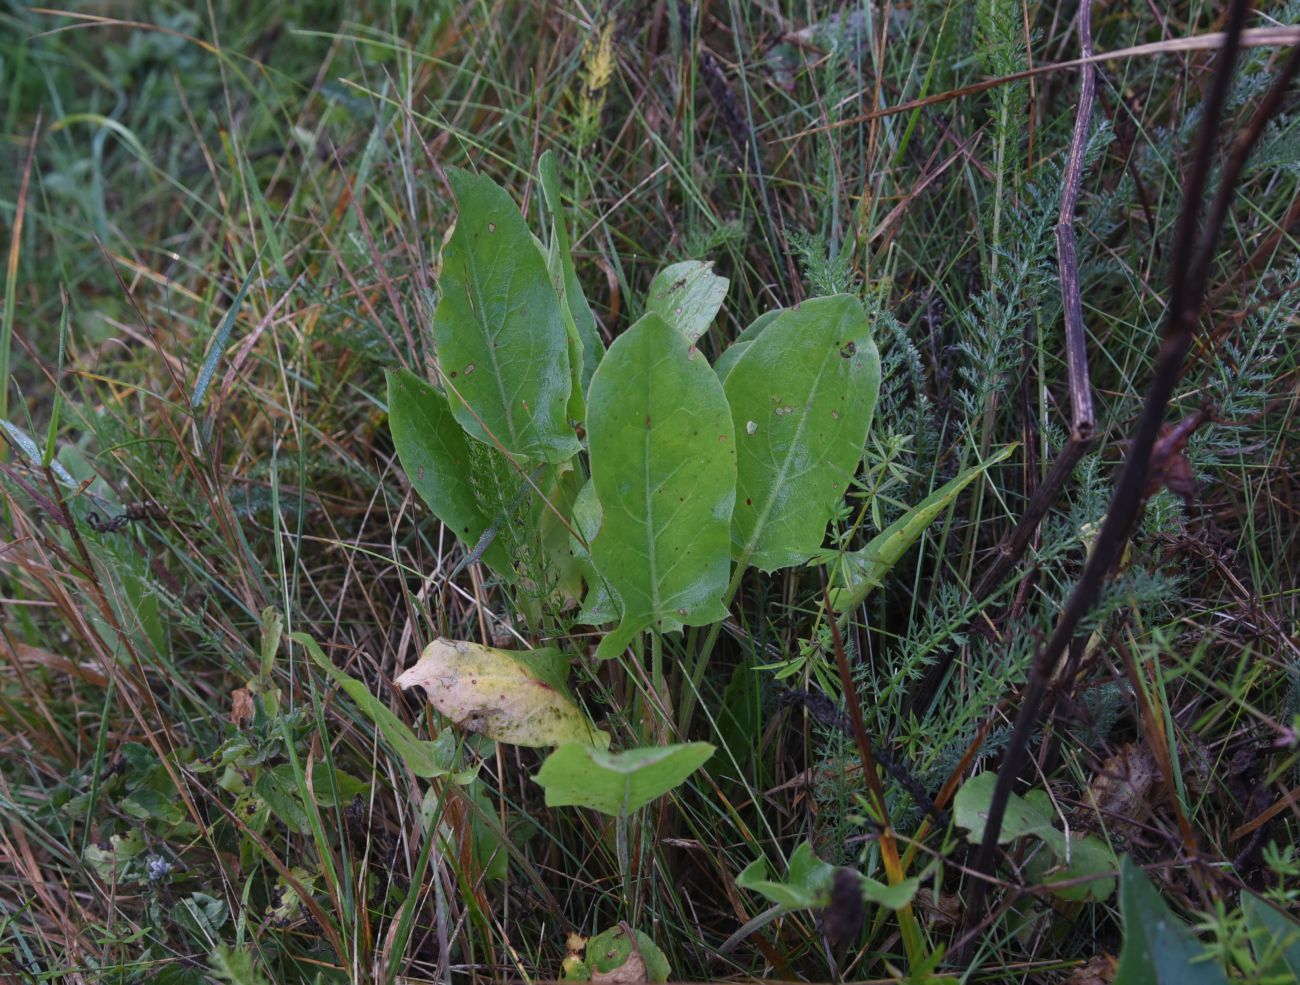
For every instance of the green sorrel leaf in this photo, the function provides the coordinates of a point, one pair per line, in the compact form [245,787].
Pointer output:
[500,330]
[663,463]
[610,782]
[435,456]
[802,395]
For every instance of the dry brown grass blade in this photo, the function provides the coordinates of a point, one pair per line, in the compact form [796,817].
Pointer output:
[1259,37]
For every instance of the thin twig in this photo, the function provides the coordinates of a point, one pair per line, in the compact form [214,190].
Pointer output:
[1258,37]
[888,844]
[1082,415]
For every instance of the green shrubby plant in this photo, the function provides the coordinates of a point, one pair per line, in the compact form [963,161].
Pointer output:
[636,485]
[670,478]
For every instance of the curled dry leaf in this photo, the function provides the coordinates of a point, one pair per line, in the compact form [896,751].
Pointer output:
[1123,791]
[241,707]
[630,972]
[941,912]
[509,696]
[1099,971]
[623,956]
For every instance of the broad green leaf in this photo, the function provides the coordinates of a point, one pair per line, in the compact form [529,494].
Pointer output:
[742,342]
[1086,858]
[1032,816]
[808,885]
[855,574]
[609,952]
[593,349]
[499,328]
[890,897]
[150,802]
[508,696]
[1159,949]
[971,810]
[278,789]
[335,787]
[759,325]
[617,782]
[663,463]
[435,456]
[802,395]
[687,296]
[1275,939]
[599,605]
[425,759]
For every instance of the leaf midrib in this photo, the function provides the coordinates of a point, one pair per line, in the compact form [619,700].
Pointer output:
[651,539]
[761,523]
[480,311]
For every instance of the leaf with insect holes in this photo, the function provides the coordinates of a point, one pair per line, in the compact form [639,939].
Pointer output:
[663,464]
[802,396]
[502,341]
[1159,949]
[617,957]
[687,296]
[855,574]
[435,456]
[519,697]
[615,783]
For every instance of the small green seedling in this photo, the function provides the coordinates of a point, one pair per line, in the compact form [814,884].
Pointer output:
[807,885]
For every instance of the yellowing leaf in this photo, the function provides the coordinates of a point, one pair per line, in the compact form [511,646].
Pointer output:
[509,696]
